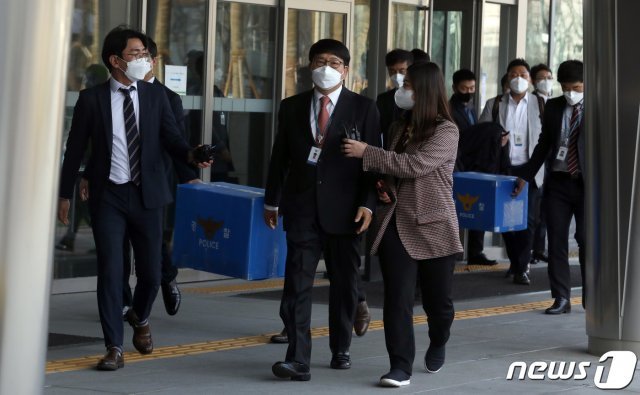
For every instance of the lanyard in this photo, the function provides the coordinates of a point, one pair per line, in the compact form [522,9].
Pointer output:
[566,123]
[321,133]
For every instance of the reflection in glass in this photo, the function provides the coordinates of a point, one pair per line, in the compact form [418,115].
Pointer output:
[408,25]
[179,30]
[244,89]
[304,29]
[360,49]
[447,43]
[537,31]
[567,31]
[490,73]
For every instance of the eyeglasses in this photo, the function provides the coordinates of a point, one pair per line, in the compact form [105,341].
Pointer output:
[137,55]
[333,63]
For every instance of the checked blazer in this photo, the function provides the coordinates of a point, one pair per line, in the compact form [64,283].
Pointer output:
[421,180]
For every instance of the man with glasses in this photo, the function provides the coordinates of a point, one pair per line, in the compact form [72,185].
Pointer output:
[326,202]
[129,126]
[519,112]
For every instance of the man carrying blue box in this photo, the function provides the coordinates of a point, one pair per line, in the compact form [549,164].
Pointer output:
[326,201]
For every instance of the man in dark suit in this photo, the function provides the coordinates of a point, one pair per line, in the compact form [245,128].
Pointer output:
[326,201]
[129,124]
[464,114]
[179,172]
[562,147]
[397,62]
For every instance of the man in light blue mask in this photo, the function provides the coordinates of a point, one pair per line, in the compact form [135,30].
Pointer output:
[326,202]
[562,147]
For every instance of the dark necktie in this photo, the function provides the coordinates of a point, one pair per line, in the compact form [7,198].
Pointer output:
[572,156]
[323,120]
[133,137]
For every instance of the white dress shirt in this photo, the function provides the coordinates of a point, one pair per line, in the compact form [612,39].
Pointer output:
[333,101]
[120,171]
[517,124]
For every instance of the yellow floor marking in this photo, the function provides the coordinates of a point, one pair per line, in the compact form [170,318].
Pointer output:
[89,362]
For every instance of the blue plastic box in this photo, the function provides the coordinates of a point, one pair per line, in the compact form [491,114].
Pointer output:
[484,202]
[219,228]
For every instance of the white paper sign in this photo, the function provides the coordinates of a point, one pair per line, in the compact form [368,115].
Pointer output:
[175,78]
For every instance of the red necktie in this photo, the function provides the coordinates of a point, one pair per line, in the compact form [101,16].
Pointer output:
[572,157]
[323,120]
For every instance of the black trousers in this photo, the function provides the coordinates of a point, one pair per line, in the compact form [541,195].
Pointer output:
[518,244]
[399,272]
[342,257]
[540,231]
[120,211]
[167,270]
[475,243]
[563,199]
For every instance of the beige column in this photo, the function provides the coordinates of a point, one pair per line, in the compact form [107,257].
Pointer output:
[34,43]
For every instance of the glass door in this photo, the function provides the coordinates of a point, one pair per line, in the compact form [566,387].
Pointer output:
[306,22]
[453,38]
[497,47]
[408,22]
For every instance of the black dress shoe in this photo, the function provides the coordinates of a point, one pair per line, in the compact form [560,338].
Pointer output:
[280,338]
[113,360]
[341,360]
[559,306]
[362,320]
[482,260]
[171,296]
[522,279]
[291,370]
[540,256]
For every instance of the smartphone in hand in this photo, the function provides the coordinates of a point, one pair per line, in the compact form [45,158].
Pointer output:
[384,188]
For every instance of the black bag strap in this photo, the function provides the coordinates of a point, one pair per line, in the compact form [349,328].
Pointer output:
[495,109]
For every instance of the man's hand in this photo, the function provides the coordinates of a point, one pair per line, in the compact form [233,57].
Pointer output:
[520,183]
[505,139]
[83,188]
[270,218]
[363,215]
[201,165]
[63,210]
[195,181]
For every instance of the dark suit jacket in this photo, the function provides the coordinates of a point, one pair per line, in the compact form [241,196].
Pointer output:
[331,191]
[389,113]
[92,124]
[184,172]
[458,114]
[547,147]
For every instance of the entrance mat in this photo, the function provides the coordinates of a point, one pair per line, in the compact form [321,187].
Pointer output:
[469,285]
[61,339]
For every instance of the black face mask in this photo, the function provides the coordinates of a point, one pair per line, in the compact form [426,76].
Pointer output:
[463,97]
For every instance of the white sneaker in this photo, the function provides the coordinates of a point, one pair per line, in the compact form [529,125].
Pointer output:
[395,378]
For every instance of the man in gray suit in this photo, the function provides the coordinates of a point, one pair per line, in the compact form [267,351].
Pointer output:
[519,113]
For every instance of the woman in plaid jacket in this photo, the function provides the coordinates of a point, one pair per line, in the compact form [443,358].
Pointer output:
[415,226]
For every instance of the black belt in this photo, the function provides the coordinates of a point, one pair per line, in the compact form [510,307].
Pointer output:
[567,175]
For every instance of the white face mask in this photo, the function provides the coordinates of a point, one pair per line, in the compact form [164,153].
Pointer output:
[137,69]
[404,98]
[397,80]
[326,77]
[573,97]
[519,85]
[545,86]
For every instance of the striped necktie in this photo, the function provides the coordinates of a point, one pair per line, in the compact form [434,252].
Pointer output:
[133,137]
[572,157]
